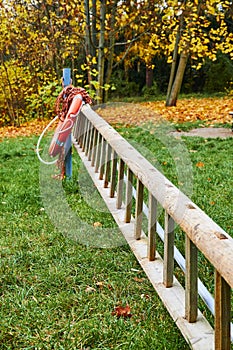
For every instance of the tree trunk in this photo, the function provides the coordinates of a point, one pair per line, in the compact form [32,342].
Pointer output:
[111,47]
[174,60]
[94,29]
[101,52]
[149,77]
[173,68]
[88,37]
[178,79]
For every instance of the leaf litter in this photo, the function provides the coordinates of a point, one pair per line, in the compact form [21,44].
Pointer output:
[209,110]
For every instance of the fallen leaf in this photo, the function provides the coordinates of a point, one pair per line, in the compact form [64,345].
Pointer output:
[90,289]
[97,224]
[209,110]
[100,285]
[200,165]
[122,311]
[140,280]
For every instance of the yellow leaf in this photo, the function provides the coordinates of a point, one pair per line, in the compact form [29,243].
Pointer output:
[200,165]
[97,224]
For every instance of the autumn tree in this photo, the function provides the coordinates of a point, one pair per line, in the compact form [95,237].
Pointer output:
[37,39]
[182,31]
[96,37]
[142,49]
[191,30]
[115,31]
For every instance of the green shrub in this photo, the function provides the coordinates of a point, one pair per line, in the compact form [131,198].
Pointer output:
[219,74]
[123,87]
[25,94]
[150,91]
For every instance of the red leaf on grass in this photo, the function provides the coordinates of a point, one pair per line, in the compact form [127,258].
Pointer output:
[122,311]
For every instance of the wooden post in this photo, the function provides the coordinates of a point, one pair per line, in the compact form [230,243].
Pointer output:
[87,139]
[222,313]
[152,222]
[107,165]
[80,130]
[91,140]
[129,196]
[113,174]
[102,159]
[138,212]
[85,131]
[98,150]
[120,183]
[191,277]
[66,80]
[168,251]
[93,153]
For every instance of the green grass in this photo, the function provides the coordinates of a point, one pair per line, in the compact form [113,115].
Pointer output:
[212,168]
[46,300]
[212,180]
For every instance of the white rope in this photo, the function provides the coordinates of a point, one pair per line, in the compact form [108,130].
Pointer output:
[39,141]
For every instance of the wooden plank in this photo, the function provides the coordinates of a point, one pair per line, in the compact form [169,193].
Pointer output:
[91,142]
[102,159]
[76,128]
[152,223]
[120,184]
[98,152]
[107,165]
[113,174]
[86,121]
[138,212]
[88,131]
[222,313]
[128,195]
[199,335]
[210,239]
[81,129]
[94,148]
[191,278]
[168,251]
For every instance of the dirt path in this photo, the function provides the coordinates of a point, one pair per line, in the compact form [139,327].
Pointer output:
[206,133]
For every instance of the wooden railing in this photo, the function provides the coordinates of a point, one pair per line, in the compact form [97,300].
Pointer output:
[114,166]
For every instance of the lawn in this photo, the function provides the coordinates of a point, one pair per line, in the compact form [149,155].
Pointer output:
[59,294]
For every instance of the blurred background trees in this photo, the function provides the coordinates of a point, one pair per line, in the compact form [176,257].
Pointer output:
[115,49]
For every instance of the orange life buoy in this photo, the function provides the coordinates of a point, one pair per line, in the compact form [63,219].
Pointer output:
[64,128]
